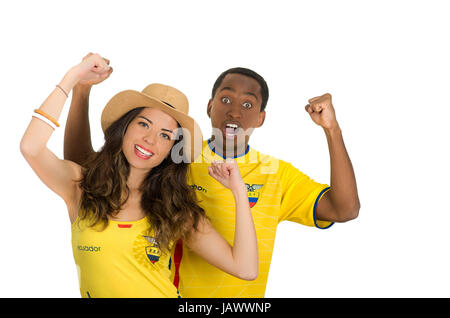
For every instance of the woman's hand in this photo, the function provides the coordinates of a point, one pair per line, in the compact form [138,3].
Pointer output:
[92,70]
[95,80]
[228,174]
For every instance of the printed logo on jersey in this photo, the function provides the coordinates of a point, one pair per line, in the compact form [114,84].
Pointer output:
[199,188]
[146,251]
[153,252]
[253,194]
[85,248]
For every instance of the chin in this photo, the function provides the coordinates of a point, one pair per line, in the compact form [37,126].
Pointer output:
[140,164]
[137,166]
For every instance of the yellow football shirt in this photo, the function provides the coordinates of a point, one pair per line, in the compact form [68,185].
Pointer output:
[276,190]
[122,260]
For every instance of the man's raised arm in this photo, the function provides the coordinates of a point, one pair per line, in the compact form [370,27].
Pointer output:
[341,203]
[77,136]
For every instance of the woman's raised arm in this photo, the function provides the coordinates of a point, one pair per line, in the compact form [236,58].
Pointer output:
[59,175]
[241,259]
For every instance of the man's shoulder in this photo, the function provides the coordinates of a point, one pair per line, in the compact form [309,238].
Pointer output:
[266,158]
[284,168]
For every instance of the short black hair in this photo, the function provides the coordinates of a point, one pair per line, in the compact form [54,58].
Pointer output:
[249,73]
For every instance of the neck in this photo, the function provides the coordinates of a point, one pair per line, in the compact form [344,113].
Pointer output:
[229,149]
[136,178]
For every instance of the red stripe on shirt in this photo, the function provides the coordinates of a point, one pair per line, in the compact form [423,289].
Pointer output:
[177,260]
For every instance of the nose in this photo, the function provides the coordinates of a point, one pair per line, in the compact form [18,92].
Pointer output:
[150,137]
[235,111]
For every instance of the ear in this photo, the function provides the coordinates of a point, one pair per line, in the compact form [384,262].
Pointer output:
[208,110]
[262,117]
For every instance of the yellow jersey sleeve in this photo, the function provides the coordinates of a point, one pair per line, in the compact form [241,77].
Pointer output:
[300,196]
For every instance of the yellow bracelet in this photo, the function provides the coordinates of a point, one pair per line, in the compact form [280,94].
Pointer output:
[53,120]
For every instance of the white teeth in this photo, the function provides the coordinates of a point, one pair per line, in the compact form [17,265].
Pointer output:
[234,127]
[143,151]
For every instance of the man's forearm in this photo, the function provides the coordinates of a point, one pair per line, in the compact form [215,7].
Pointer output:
[77,137]
[344,193]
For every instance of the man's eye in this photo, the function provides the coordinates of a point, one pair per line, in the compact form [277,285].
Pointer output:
[247,105]
[226,100]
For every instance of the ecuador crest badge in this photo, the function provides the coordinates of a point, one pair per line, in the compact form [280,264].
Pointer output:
[253,194]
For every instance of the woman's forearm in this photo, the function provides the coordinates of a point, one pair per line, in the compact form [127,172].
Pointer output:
[245,247]
[241,258]
[38,132]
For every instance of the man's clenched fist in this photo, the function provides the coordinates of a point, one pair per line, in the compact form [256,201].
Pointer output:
[322,111]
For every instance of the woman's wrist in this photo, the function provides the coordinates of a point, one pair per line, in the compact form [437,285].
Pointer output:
[240,192]
[70,79]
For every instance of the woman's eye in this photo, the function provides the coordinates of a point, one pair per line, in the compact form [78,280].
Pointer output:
[247,105]
[226,100]
[143,124]
[165,136]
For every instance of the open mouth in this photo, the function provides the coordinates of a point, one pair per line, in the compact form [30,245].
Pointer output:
[142,152]
[231,130]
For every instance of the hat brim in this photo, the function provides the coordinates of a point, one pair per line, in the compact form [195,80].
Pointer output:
[123,102]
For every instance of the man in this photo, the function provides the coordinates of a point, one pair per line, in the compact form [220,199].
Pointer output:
[277,191]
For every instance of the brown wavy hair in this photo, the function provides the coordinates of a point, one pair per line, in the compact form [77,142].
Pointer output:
[168,201]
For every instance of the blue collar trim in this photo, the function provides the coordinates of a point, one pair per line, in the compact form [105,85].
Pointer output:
[212,149]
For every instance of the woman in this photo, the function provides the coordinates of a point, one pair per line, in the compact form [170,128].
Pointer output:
[130,201]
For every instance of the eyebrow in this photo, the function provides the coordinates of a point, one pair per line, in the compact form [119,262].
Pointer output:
[231,89]
[164,129]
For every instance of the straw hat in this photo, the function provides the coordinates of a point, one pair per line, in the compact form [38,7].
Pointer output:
[162,97]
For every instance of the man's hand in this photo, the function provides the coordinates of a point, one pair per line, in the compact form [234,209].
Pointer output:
[322,111]
[87,83]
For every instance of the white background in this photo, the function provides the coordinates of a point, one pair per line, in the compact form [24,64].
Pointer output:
[386,63]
